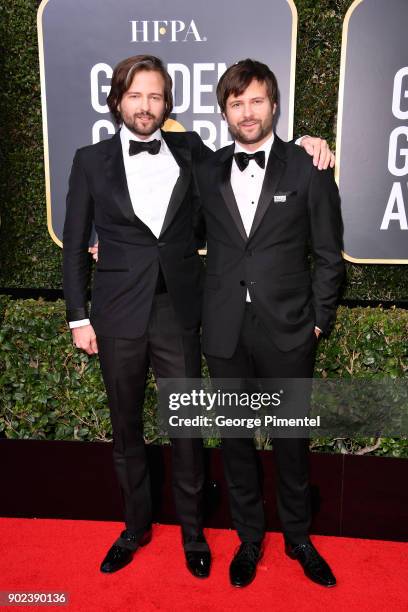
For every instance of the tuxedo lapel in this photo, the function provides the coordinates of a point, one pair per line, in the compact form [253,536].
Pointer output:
[116,175]
[274,170]
[227,193]
[182,155]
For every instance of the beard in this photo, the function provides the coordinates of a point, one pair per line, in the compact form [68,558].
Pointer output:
[264,129]
[135,125]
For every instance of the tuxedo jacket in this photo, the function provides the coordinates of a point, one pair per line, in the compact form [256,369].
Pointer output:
[297,216]
[129,253]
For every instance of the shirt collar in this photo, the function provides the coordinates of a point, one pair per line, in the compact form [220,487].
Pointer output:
[266,146]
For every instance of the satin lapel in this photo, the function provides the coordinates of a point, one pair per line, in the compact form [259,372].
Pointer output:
[182,155]
[274,170]
[227,192]
[116,175]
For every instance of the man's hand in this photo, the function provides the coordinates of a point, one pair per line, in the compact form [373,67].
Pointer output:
[94,251]
[322,156]
[84,338]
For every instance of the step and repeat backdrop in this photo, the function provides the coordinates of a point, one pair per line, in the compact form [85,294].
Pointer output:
[80,43]
[372,132]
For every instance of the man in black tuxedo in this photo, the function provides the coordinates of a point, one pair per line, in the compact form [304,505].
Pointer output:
[266,209]
[138,190]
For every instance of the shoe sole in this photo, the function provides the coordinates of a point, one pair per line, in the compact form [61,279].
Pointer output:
[117,569]
[242,586]
[197,575]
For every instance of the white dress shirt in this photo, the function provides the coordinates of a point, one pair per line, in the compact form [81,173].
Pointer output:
[247,185]
[150,180]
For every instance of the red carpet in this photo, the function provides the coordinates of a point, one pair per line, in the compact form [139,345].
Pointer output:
[53,555]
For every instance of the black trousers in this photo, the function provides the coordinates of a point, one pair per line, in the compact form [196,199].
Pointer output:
[172,353]
[256,356]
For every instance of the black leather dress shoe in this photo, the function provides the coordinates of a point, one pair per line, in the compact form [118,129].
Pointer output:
[198,563]
[121,553]
[198,556]
[314,566]
[243,566]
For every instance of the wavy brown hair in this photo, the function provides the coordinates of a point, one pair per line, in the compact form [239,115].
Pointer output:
[123,76]
[237,77]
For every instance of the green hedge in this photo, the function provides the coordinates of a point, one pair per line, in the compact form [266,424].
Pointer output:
[28,257]
[49,390]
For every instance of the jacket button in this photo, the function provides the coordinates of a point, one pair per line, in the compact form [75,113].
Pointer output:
[249,253]
[242,283]
[161,244]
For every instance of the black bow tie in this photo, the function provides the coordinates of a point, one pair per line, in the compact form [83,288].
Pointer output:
[137,146]
[243,159]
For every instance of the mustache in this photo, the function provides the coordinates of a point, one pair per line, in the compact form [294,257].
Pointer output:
[145,114]
[248,119]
